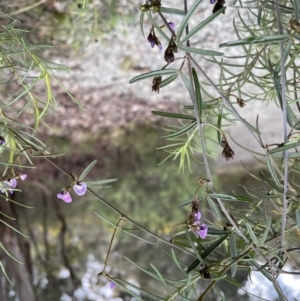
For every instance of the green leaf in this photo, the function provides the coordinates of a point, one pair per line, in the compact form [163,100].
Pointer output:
[173,115]
[155,73]
[87,170]
[252,235]
[187,84]
[197,92]
[257,40]
[215,208]
[219,124]
[265,234]
[202,25]
[99,183]
[207,252]
[199,51]
[284,147]
[270,182]
[4,272]
[189,201]
[297,10]
[142,23]
[162,279]
[233,251]
[182,131]
[186,19]
[272,171]
[286,54]
[168,80]
[298,218]
[227,197]
[172,11]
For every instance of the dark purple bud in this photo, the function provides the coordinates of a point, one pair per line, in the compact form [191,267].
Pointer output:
[2,141]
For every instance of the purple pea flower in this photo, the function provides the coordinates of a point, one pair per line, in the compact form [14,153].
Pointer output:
[80,188]
[12,183]
[153,39]
[196,227]
[202,231]
[172,25]
[112,285]
[212,1]
[23,176]
[65,196]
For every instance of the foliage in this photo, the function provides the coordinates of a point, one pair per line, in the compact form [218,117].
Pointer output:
[258,232]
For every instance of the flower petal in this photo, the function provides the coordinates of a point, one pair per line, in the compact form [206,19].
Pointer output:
[112,285]
[66,197]
[172,25]
[80,188]
[202,232]
[197,216]
[23,176]
[13,183]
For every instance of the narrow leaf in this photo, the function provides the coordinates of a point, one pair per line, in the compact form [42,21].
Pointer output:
[168,80]
[272,171]
[215,208]
[257,40]
[252,235]
[284,147]
[142,22]
[182,131]
[199,51]
[202,24]
[186,19]
[298,218]
[162,279]
[173,115]
[172,11]
[153,74]
[207,252]
[265,234]
[197,92]
[87,170]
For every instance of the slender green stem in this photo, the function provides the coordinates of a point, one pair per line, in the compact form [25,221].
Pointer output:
[110,244]
[285,131]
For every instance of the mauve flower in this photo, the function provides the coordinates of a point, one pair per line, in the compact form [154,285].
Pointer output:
[172,25]
[12,183]
[112,285]
[153,39]
[23,176]
[197,216]
[2,141]
[202,231]
[194,223]
[65,196]
[212,1]
[80,188]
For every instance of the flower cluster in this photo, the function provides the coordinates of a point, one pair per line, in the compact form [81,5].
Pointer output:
[11,183]
[79,188]
[194,222]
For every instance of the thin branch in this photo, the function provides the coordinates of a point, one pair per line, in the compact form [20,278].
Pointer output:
[285,131]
